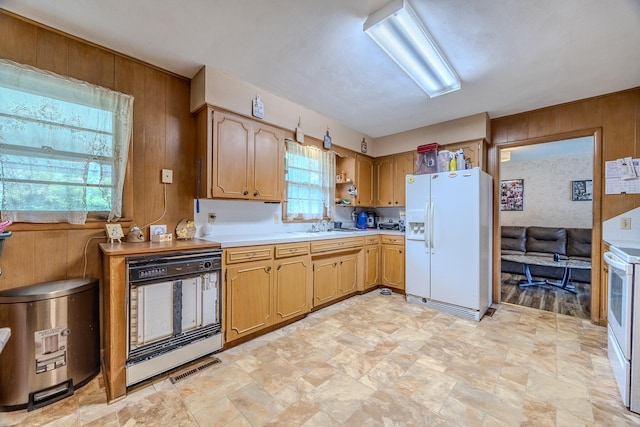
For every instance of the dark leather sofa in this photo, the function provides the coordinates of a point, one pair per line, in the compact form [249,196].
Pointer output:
[568,243]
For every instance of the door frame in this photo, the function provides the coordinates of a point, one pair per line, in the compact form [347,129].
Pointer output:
[596,214]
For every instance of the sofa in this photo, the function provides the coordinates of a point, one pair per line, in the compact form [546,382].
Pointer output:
[567,243]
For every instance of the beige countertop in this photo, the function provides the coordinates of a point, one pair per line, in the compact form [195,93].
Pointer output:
[235,240]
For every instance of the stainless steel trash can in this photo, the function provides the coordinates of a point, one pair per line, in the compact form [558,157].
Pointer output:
[54,346]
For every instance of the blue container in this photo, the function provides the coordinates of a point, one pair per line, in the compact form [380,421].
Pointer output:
[361,223]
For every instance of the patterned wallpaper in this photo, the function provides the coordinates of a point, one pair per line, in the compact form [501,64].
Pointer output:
[548,191]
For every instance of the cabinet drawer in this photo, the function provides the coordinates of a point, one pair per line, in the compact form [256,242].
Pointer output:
[336,244]
[247,253]
[372,240]
[393,240]
[292,249]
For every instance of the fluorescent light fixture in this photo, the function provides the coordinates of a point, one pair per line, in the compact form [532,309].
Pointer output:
[401,34]
[505,155]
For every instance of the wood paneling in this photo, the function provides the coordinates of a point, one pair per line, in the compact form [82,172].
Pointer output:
[613,120]
[163,137]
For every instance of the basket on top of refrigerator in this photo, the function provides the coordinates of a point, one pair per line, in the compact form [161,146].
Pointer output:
[427,158]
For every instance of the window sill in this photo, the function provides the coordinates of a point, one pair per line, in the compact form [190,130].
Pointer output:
[91,224]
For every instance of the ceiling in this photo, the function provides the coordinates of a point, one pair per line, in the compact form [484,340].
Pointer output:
[511,55]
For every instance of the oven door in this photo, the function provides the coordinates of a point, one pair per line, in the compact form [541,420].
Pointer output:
[151,313]
[619,301]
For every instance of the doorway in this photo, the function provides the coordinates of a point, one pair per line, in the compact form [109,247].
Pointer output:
[549,186]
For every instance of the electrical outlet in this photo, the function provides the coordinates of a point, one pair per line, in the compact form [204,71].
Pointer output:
[625,223]
[167,176]
[211,218]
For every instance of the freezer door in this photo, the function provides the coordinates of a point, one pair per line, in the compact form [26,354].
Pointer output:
[416,192]
[417,266]
[455,253]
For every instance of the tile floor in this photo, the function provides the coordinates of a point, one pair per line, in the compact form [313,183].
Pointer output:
[376,360]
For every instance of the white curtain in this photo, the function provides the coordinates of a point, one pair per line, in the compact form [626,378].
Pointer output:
[311,184]
[63,146]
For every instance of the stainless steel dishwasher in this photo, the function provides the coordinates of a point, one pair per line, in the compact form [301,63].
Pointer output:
[54,346]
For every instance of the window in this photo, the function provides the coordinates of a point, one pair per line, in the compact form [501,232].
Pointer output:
[63,146]
[310,182]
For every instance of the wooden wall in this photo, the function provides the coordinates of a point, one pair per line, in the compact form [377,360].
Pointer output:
[163,137]
[614,122]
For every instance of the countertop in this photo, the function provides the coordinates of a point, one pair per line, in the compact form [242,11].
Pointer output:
[624,243]
[155,247]
[235,240]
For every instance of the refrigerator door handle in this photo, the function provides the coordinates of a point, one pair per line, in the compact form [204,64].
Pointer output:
[427,237]
[431,221]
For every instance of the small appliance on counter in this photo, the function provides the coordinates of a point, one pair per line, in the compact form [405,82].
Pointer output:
[389,226]
[362,220]
[372,219]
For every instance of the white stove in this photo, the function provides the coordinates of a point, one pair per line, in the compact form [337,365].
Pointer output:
[626,254]
[623,318]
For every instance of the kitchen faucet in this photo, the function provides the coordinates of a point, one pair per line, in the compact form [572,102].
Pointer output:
[319,226]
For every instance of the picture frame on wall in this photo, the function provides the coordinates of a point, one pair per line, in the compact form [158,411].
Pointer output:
[512,195]
[582,190]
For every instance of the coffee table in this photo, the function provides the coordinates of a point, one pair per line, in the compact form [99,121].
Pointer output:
[568,264]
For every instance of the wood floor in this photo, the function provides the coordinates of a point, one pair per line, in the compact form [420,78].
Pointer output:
[548,298]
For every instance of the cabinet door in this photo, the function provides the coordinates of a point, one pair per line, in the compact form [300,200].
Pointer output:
[249,298]
[384,181]
[325,280]
[474,150]
[393,266]
[231,155]
[267,161]
[348,274]
[372,265]
[403,164]
[364,180]
[292,287]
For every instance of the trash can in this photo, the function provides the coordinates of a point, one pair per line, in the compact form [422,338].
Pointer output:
[54,347]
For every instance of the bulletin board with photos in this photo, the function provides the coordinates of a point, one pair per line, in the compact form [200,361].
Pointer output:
[512,195]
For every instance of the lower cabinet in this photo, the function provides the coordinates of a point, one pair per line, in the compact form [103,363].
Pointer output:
[393,262]
[334,277]
[263,293]
[249,298]
[371,262]
[293,287]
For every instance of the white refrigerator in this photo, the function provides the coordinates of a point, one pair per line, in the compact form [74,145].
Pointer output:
[449,241]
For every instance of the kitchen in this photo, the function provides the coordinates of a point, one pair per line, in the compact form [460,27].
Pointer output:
[161,141]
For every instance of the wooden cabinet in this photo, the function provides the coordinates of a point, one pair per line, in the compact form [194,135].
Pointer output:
[241,158]
[403,164]
[334,276]
[347,274]
[364,181]
[325,280]
[390,178]
[249,298]
[371,262]
[293,281]
[335,268]
[475,150]
[393,261]
[261,291]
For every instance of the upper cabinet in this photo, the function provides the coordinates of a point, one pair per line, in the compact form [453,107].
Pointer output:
[475,150]
[390,177]
[240,158]
[364,181]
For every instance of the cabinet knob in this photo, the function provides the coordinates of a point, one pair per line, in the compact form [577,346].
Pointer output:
[389,202]
[279,267]
[268,269]
[245,192]
[256,193]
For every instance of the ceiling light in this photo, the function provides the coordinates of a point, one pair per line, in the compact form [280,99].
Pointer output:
[401,34]
[505,155]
